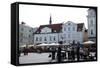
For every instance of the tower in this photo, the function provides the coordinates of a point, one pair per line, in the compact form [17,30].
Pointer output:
[91,19]
[50,20]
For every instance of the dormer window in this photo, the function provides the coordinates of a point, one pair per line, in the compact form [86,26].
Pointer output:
[54,30]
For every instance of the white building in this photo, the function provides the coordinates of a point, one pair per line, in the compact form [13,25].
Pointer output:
[91,18]
[26,34]
[66,32]
[73,32]
[47,33]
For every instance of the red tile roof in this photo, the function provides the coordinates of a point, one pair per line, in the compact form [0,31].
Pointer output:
[54,27]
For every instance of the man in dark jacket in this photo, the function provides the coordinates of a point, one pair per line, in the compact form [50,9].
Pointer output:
[59,54]
[78,51]
[53,53]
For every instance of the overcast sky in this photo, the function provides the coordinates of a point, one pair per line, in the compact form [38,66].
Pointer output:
[35,15]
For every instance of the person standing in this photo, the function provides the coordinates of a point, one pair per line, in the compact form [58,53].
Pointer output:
[73,54]
[53,53]
[59,54]
[78,51]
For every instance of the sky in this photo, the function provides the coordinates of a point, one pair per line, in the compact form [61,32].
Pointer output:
[36,15]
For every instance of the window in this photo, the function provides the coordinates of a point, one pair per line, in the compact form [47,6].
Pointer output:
[50,38]
[68,28]
[68,23]
[45,39]
[54,38]
[29,36]
[91,32]
[29,30]
[36,38]
[64,28]
[91,22]
[40,38]
[62,37]
[54,30]
[73,28]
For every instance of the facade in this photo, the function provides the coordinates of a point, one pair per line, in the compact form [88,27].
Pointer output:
[66,32]
[47,33]
[91,18]
[26,34]
[73,32]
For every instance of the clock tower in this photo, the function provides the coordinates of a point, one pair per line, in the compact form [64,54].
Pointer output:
[91,19]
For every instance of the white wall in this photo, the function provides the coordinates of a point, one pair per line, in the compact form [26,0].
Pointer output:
[47,36]
[5,34]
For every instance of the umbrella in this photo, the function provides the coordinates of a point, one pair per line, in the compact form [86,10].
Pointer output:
[89,42]
[43,44]
[30,45]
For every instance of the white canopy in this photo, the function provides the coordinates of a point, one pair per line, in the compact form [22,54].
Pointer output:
[52,44]
[23,46]
[89,42]
[30,45]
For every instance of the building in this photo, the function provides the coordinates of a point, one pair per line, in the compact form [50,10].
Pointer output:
[72,32]
[91,18]
[47,33]
[66,32]
[26,34]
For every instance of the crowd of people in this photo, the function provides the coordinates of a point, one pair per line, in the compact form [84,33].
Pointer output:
[71,53]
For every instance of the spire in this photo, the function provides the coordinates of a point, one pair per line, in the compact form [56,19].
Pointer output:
[50,21]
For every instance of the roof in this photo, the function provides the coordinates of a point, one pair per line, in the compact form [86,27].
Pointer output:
[54,27]
[80,26]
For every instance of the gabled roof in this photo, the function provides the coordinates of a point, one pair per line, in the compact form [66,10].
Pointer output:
[54,27]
